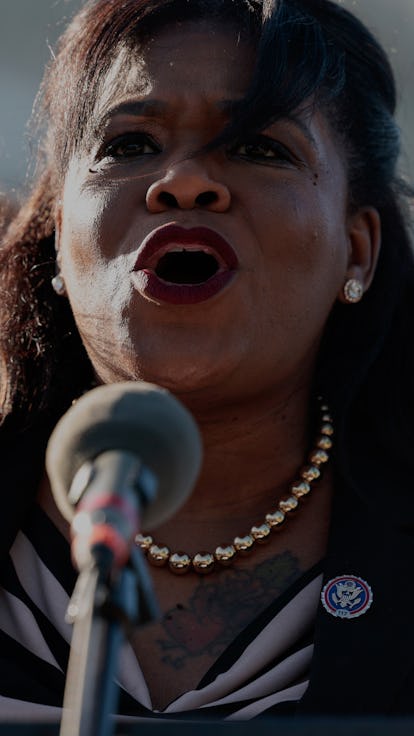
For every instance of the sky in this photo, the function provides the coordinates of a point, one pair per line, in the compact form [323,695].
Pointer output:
[29,29]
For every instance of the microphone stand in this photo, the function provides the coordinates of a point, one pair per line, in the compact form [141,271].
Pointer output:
[103,608]
[113,592]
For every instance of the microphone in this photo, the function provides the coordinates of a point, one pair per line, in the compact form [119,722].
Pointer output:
[122,452]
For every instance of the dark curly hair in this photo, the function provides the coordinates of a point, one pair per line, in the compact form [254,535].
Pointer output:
[307,50]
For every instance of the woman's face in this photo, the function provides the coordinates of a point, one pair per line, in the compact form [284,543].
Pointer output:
[263,222]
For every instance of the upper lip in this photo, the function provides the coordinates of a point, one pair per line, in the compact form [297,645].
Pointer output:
[167,237]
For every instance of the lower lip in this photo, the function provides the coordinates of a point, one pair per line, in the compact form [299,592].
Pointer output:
[151,286]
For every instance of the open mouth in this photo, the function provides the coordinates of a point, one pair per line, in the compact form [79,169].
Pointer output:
[177,265]
[186,267]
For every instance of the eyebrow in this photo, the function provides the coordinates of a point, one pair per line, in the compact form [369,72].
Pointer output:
[137,108]
[158,108]
[154,107]
[296,120]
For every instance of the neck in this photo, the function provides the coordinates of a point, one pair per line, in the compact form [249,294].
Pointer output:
[251,454]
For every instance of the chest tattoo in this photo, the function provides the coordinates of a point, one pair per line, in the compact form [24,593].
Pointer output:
[219,610]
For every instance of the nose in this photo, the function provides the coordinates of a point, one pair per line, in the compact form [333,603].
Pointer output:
[187,185]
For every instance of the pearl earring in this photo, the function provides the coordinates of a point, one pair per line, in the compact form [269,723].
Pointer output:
[59,285]
[353,291]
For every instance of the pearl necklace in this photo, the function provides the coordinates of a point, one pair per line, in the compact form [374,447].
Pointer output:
[203,563]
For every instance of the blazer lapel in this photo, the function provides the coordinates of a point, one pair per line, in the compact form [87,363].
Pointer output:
[364,664]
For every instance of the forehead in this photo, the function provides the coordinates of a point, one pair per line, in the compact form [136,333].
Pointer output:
[181,60]
[190,74]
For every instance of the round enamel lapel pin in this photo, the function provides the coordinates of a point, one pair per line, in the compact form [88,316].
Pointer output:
[346,596]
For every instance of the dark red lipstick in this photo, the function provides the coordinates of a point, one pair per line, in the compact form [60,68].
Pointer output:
[184,266]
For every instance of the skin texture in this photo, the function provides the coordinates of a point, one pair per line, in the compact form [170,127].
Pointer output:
[285,215]
[242,361]
[219,608]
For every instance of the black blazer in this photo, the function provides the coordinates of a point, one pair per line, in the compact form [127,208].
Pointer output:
[366,665]
[360,666]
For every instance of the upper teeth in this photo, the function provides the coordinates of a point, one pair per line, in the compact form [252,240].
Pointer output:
[192,248]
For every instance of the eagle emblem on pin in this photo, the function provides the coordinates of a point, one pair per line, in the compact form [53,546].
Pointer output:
[346,596]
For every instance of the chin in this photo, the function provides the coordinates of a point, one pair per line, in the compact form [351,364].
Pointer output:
[181,368]
[183,380]
[190,381]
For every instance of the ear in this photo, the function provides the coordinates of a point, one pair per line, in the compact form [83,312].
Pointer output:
[364,234]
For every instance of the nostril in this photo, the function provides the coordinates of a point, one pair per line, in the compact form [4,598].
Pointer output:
[206,198]
[168,199]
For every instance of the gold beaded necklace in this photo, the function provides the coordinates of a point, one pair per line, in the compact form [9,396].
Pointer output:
[203,563]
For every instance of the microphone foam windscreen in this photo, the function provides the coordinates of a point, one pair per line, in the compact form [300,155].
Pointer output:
[134,417]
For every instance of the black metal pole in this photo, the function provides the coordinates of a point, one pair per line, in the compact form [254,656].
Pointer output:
[102,608]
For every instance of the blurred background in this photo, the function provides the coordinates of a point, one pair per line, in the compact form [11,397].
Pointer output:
[29,28]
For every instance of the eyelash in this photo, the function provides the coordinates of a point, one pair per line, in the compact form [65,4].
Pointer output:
[263,145]
[141,140]
[256,149]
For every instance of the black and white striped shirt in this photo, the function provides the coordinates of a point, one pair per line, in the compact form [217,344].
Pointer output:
[265,670]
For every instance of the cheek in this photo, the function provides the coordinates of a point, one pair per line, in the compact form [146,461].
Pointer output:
[98,213]
[302,234]
[304,255]
[98,287]
[92,238]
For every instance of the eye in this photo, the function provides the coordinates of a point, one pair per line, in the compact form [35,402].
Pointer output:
[262,149]
[130,145]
